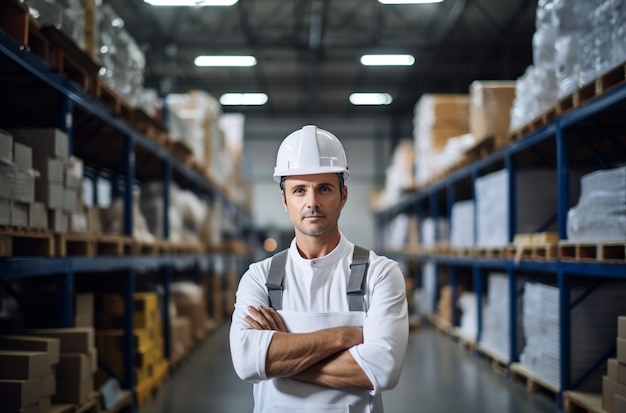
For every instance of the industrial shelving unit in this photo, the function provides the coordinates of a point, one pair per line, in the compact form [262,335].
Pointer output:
[35,95]
[589,136]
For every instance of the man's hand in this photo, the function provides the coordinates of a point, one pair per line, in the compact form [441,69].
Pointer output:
[265,319]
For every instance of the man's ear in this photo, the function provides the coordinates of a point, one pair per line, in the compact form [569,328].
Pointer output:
[344,196]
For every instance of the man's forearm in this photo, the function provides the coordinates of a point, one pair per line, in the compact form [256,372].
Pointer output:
[339,371]
[289,354]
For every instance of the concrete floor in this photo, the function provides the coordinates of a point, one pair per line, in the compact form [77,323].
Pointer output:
[438,376]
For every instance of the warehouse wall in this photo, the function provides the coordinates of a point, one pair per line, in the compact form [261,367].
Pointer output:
[368,143]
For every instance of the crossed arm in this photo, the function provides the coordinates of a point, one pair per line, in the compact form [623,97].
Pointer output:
[320,357]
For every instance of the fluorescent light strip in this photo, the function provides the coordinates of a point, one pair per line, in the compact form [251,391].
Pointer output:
[409,1]
[225,61]
[247,99]
[191,3]
[387,60]
[370,98]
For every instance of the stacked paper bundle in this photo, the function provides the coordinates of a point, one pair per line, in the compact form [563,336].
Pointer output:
[601,211]
[593,329]
[496,327]
[462,224]
[469,315]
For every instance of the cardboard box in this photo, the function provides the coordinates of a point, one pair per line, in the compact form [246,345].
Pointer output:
[73,391]
[19,214]
[48,141]
[84,310]
[73,339]
[58,220]
[73,173]
[16,394]
[5,211]
[51,194]
[24,187]
[51,346]
[6,146]
[94,223]
[616,371]
[37,215]
[74,366]
[611,388]
[490,108]
[22,156]
[619,403]
[70,200]
[50,169]
[49,383]
[23,365]
[621,327]
[45,404]
[621,350]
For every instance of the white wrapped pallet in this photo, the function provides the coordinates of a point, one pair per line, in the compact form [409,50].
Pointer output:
[600,214]
[468,304]
[462,224]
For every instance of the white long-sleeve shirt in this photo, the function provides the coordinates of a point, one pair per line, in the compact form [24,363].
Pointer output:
[318,286]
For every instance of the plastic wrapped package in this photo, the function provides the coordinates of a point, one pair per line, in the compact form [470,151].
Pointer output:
[113,219]
[600,214]
[462,224]
[598,18]
[535,92]
[567,64]
[468,305]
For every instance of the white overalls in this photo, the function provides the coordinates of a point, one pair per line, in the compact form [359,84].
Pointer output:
[314,298]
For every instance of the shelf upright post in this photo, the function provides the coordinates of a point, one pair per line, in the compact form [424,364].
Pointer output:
[129,327]
[563,177]
[196,272]
[512,195]
[129,177]
[478,289]
[475,217]
[66,299]
[167,292]
[434,212]
[167,178]
[564,332]
[512,277]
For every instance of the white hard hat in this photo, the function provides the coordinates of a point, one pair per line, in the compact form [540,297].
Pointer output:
[309,151]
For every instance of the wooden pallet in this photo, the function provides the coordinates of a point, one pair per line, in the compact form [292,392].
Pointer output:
[539,252]
[593,252]
[74,244]
[144,248]
[112,100]
[545,118]
[495,253]
[92,405]
[582,402]
[593,89]
[113,245]
[498,364]
[25,242]
[533,384]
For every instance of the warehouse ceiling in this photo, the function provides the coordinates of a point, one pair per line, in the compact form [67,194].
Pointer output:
[308,51]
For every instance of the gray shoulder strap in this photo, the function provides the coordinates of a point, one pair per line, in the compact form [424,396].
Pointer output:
[356,281]
[274,281]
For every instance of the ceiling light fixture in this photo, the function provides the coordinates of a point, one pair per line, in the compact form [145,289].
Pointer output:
[247,99]
[387,60]
[409,1]
[225,61]
[191,3]
[370,98]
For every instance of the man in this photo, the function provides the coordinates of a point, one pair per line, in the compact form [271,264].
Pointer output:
[309,336]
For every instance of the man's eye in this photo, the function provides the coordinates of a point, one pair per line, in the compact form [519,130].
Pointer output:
[325,189]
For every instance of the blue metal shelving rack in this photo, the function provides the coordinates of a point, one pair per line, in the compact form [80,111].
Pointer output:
[72,97]
[564,273]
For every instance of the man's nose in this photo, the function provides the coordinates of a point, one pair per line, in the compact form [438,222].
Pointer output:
[312,200]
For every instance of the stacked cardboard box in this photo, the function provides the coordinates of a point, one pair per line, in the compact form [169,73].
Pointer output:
[27,373]
[181,338]
[17,185]
[147,335]
[59,176]
[490,108]
[614,383]
[78,362]
[191,303]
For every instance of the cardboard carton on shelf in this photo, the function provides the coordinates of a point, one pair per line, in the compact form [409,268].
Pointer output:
[23,365]
[490,108]
[22,156]
[16,394]
[50,346]
[72,339]
[610,388]
[49,141]
[621,327]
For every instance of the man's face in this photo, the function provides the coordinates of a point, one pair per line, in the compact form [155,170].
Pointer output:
[314,202]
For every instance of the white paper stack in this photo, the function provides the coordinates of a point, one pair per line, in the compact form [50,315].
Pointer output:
[593,329]
[434,231]
[468,304]
[462,224]
[600,214]
[429,287]
[496,326]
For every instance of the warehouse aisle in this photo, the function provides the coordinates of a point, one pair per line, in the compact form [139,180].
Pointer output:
[439,376]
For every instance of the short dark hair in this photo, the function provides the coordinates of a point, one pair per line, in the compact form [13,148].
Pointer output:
[342,183]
